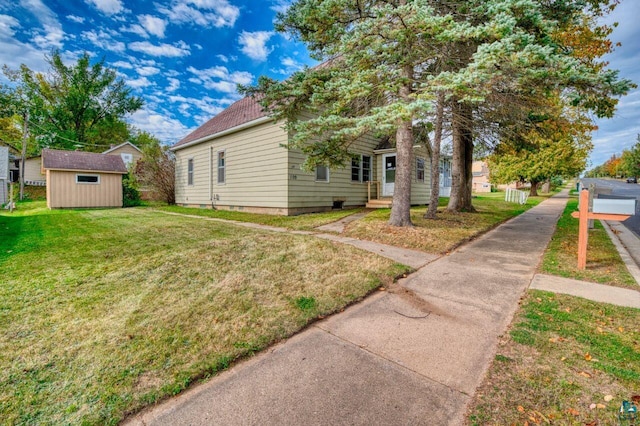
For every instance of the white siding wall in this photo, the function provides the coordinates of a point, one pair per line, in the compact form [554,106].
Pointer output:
[256,173]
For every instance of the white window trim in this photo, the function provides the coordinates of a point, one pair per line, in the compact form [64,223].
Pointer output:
[224,153]
[87,183]
[191,173]
[315,172]
[361,169]
[424,170]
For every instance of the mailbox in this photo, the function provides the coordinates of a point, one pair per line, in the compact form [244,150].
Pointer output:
[612,206]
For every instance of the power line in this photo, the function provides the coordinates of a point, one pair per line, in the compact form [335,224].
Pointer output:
[55,135]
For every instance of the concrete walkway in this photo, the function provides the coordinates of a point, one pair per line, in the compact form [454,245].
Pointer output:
[597,292]
[411,355]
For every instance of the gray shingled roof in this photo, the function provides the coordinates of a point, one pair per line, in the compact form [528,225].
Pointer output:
[241,112]
[85,161]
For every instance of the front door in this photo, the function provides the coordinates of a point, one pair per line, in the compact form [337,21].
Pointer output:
[389,174]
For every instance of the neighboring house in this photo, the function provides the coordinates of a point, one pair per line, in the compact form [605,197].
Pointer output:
[4,175]
[237,161]
[445,176]
[82,179]
[33,172]
[129,152]
[480,181]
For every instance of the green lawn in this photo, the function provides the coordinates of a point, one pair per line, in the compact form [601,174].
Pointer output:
[105,311]
[305,222]
[604,264]
[566,361]
[444,233]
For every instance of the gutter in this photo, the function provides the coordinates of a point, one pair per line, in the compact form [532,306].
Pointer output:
[246,125]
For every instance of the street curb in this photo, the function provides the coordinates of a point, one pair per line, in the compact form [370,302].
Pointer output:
[625,241]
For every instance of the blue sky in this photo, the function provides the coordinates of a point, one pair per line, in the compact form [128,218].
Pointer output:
[185,57]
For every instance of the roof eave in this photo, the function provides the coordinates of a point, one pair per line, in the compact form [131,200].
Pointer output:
[58,169]
[238,128]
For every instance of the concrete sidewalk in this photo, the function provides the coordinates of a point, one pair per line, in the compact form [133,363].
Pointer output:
[411,355]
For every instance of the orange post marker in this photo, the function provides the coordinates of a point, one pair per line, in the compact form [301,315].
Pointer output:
[583,229]
[583,214]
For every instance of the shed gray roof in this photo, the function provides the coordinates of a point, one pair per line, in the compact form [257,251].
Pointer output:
[85,161]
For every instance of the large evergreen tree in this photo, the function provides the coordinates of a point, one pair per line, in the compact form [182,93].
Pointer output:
[387,61]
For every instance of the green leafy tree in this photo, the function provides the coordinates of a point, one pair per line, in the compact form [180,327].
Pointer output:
[630,160]
[558,146]
[76,106]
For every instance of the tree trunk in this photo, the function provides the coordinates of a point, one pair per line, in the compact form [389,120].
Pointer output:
[533,192]
[435,160]
[461,179]
[401,208]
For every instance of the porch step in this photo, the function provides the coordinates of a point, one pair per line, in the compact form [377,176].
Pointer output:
[382,203]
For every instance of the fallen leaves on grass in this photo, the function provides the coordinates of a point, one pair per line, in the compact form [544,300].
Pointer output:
[573,412]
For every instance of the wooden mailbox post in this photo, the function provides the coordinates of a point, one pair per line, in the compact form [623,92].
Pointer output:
[583,214]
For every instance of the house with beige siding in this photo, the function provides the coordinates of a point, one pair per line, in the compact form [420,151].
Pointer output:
[33,172]
[82,179]
[129,153]
[236,161]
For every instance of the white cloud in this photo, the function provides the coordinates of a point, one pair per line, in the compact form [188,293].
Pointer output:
[167,50]
[135,29]
[147,71]
[222,58]
[123,64]
[174,84]
[290,66]
[14,52]
[254,44]
[280,6]
[51,35]
[138,83]
[104,41]
[217,13]
[108,7]
[153,25]
[163,126]
[7,25]
[220,79]
[76,19]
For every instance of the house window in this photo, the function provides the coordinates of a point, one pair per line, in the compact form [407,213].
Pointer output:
[127,158]
[94,179]
[322,174]
[420,169]
[190,171]
[361,168]
[355,168]
[222,165]
[366,168]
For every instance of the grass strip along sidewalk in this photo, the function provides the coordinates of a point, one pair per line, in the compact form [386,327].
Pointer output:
[566,360]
